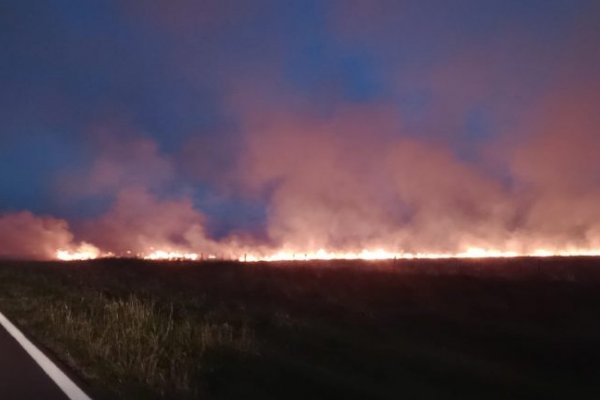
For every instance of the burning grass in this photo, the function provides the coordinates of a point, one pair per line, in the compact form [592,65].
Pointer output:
[514,328]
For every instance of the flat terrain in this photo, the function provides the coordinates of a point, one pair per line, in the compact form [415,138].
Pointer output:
[493,329]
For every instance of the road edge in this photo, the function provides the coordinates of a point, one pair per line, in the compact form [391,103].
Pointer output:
[68,387]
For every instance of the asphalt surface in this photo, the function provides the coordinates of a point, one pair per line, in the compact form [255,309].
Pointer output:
[20,377]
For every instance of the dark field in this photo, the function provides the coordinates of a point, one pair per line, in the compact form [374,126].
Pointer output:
[494,329]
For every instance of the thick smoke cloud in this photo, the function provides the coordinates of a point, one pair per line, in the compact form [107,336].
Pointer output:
[24,235]
[131,171]
[354,181]
[121,157]
[138,223]
[475,133]
[558,168]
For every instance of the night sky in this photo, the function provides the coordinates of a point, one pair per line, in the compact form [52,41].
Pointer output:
[318,123]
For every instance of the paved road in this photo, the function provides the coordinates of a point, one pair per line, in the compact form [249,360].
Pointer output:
[20,377]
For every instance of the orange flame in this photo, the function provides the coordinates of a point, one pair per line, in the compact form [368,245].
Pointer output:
[171,255]
[381,254]
[88,252]
[83,252]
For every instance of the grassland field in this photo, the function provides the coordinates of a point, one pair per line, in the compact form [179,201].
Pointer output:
[446,329]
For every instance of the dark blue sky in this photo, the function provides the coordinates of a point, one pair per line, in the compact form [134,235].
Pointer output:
[188,75]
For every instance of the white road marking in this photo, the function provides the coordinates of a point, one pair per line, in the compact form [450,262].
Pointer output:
[70,389]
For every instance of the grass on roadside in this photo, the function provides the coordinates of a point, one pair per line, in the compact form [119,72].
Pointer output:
[494,329]
[143,348]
